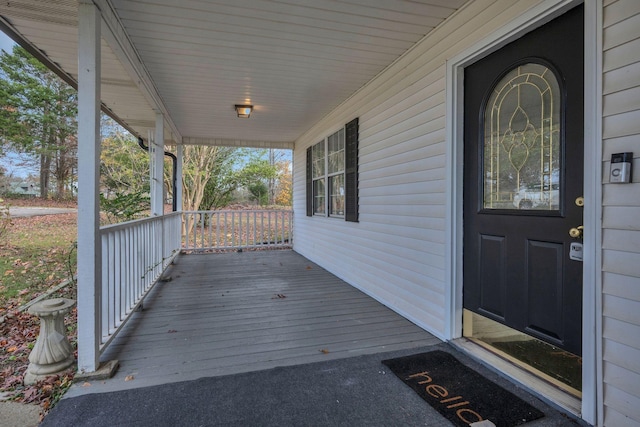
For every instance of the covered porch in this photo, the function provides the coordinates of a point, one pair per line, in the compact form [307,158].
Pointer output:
[226,313]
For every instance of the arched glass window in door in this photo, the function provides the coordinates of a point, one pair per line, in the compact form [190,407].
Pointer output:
[522,141]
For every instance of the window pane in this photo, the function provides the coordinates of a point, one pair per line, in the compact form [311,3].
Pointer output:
[522,141]
[336,152]
[318,196]
[336,195]
[318,159]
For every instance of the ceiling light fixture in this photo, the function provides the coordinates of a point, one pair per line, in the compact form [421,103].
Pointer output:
[244,111]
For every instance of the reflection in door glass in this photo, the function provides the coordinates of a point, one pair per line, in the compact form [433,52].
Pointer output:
[522,141]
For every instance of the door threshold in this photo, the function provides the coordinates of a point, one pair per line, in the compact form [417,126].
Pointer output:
[536,385]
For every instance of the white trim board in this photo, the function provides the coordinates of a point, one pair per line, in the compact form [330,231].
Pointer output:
[533,18]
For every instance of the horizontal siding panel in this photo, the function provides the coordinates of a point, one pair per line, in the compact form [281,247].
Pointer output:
[622,379]
[617,145]
[374,178]
[621,78]
[621,309]
[621,194]
[403,194]
[428,212]
[621,286]
[436,160]
[417,211]
[627,263]
[619,11]
[621,332]
[621,102]
[424,100]
[429,122]
[624,32]
[621,124]
[384,273]
[622,55]
[622,355]
[623,403]
[624,218]
[430,87]
[614,418]
[621,240]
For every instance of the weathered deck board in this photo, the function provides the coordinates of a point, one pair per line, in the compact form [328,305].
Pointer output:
[240,312]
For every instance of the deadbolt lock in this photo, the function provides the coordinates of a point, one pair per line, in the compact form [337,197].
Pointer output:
[580,201]
[576,232]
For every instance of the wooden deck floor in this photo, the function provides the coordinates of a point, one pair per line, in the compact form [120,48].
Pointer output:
[240,312]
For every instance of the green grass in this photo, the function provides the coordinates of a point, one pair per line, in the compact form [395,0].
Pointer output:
[35,254]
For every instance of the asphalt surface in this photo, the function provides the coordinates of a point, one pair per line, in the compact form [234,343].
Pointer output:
[358,391]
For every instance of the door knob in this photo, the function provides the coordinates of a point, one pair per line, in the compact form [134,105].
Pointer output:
[580,201]
[576,232]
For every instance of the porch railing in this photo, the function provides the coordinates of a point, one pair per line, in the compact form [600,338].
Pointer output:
[237,229]
[134,255]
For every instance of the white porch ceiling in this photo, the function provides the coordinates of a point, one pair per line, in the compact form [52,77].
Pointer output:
[294,60]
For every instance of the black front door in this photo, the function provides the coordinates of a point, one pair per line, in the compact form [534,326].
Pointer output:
[523,182]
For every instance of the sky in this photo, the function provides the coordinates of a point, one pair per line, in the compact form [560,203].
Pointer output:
[12,161]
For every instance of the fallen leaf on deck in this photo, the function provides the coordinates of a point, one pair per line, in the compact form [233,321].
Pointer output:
[86,384]
[129,378]
[324,351]
[309,267]
[171,331]
[279,296]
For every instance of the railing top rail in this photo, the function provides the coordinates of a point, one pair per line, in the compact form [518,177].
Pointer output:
[238,211]
[135,222]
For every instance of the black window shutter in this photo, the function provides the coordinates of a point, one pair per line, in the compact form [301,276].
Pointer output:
[309,184]
[351,171]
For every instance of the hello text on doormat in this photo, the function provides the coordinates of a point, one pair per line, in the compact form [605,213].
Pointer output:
[459,393]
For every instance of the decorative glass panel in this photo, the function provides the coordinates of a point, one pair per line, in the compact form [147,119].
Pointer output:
[522,141]
[336,152]
[336,201]
[317,154]
[318,196]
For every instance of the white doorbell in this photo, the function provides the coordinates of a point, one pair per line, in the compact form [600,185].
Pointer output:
[621,164]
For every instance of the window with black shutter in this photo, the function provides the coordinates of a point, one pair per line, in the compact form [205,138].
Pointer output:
[332,175]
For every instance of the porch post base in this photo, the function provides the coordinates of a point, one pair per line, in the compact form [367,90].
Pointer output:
[105,371]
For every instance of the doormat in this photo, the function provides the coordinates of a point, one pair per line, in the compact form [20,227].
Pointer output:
[459,393]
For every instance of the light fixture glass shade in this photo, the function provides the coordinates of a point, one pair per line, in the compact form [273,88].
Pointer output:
[244,111]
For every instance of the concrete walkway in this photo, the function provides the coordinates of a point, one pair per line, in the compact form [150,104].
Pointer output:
[26,212]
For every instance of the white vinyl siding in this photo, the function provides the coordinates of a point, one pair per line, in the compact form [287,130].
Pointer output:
[621,215]
[396,252]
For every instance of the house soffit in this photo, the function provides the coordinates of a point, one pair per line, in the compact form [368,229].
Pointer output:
[294,60]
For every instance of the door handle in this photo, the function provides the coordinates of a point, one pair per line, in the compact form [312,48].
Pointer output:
[576,232]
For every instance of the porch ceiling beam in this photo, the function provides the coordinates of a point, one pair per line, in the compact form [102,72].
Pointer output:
[116,36]
[286,145]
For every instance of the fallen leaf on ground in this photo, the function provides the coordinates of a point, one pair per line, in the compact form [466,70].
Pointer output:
[129,378]
[86,384]
[279,296]
[171,331]
[324,351]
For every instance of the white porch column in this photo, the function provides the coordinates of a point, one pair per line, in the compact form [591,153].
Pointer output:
[156,149]
[178,189]
[89,246]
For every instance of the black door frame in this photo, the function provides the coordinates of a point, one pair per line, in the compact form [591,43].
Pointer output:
[592,404]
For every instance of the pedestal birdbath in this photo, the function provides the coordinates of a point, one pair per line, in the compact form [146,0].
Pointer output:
[52,353]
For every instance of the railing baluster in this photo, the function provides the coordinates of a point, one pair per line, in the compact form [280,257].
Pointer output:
[238,229]
[134,255]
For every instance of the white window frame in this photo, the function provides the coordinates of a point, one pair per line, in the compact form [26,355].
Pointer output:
[327,176]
